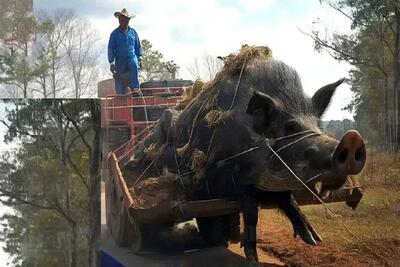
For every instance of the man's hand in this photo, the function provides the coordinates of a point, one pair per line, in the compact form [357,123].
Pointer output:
[112,68]
[141,63]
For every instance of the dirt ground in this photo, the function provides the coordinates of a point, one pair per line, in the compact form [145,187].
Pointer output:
[375,225]
[375,238]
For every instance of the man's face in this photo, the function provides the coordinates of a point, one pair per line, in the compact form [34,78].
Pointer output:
[123,22]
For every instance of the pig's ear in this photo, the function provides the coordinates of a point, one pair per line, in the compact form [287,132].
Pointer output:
[261,102]
[322,97]
[262,108]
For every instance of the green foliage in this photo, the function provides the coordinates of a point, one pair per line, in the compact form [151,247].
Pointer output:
[46,181]
[370,48]
[16,70]
[17,23]
[338,128]
[155,67]
[17,28]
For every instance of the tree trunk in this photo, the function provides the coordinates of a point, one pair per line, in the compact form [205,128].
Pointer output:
[386,129]
[94,188]
[73,226]
[25,90]
[53,75]
[68,202]
[74,244]
[397,70]
[44,87]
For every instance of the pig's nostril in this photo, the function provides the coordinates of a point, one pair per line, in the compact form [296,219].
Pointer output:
[350,153]
[359,154]
[343,156]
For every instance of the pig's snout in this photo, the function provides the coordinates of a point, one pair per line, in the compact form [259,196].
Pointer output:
[336,160]
[350,154]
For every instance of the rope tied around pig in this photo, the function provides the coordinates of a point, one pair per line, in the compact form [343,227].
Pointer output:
[270,142]
[337,218]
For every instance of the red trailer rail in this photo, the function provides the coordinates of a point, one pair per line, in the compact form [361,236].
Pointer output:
[134,113]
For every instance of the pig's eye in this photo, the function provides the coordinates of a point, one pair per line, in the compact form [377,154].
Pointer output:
[291,127]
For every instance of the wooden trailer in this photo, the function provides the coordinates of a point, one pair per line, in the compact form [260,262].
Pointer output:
[126,120]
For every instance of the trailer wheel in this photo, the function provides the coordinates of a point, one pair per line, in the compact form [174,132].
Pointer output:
[117,218]
[135,236]
[233,228]
[213,230]
[125,231]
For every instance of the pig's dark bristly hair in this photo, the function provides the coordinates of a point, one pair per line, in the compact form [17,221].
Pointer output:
[275,78]
[230,135]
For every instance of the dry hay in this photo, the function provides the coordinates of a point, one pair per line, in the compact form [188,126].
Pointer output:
[191,93]
[199,161]
[247,55]
[154,151]
[181,150]
[216,117]
[212,101]
[152,192]
[233,64]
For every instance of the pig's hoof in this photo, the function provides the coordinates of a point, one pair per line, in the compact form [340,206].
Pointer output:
[306,235]
[251,254]
[252,261]
[316,236]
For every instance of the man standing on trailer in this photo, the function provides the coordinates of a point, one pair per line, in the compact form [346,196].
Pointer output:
[125,53]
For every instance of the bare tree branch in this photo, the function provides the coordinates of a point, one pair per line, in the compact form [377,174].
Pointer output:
[20,131]
[17,200]
[346,56]
[76,126]
[72,163]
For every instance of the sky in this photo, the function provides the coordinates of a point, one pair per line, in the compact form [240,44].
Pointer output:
[183,30]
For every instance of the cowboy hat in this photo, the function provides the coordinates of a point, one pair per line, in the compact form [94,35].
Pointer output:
[124,13]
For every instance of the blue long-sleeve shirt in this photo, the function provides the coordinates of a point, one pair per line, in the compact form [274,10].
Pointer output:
[123,46]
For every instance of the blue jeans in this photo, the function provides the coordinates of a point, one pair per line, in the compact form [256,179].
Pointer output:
[132,66]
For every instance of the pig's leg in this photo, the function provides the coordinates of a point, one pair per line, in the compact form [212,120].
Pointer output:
[301,226]
[250,217]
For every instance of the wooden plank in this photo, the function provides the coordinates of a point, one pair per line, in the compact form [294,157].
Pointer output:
[186,210]
[117,174]
[217,207]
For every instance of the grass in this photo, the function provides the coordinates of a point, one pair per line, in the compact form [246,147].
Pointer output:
[381,169]
[374,225]
[376,217]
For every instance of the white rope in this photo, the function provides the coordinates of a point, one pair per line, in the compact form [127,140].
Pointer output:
[311,191]
[144,106]
[223,161]
[141,142]
[296,141]
[144,172]
[238,83]
[313,178]
[195,119]
[293,135]
[325,205]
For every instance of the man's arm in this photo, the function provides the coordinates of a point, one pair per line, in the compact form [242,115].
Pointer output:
[138,49]
[111,49]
